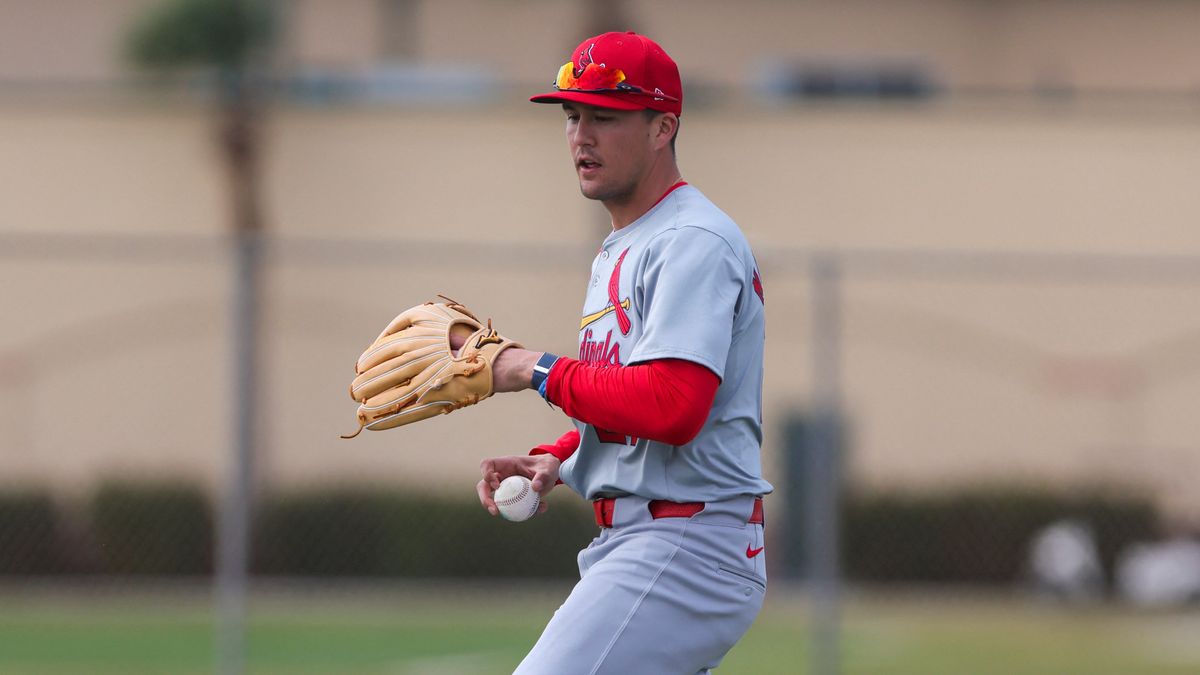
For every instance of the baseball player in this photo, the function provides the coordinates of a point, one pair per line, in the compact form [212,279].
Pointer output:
[666,395]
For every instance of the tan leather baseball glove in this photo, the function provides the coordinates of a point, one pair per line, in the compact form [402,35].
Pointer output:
[411,373]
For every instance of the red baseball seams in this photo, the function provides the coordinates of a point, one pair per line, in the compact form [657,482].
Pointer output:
[614,296]
[666,400]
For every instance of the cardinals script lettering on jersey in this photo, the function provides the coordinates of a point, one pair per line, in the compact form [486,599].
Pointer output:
[606,354]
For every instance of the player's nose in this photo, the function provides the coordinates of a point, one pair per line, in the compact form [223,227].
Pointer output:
[581,134]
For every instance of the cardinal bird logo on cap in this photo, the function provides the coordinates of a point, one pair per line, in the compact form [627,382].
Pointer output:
[585,60]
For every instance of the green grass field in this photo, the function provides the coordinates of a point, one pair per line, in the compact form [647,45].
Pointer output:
[476,630]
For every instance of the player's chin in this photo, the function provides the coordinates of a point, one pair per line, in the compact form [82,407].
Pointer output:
[594,190]
[590,192]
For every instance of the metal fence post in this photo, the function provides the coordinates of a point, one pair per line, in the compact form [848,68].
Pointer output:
[234,524]
[823,477]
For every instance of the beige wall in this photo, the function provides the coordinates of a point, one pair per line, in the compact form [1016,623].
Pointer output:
[1004,43]
[1073,178]
[72,40]
[121,367]
[1101,44]
[324,34]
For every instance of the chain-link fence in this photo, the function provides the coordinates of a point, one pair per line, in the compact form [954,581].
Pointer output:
[1019,423]
[939,425]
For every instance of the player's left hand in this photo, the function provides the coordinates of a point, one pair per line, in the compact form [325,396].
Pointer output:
[513,368]
[541,470]
[417,369]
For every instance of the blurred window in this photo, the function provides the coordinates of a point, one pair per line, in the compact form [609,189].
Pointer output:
[850,80]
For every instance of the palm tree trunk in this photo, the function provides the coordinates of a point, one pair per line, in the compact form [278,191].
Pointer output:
[239,141]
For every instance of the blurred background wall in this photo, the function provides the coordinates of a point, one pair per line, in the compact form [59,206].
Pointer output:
[1004,192]
[951,125]
[1021,45]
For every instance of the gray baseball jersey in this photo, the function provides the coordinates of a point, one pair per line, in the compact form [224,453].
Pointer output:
[678,283]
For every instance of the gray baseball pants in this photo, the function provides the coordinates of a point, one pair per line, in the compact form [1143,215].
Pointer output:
[657,597]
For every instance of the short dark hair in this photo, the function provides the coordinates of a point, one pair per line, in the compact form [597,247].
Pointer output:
[651,114]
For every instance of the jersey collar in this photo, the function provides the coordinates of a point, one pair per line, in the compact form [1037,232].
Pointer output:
[669,191]
[617,234]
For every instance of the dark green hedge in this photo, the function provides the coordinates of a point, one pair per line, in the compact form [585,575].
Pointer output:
[152,529]
[30,535]
[977,537]
[380,532]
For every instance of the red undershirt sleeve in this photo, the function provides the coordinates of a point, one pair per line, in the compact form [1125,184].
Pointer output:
[563,448]
[665,400]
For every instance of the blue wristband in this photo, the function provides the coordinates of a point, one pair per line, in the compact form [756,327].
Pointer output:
[541,372]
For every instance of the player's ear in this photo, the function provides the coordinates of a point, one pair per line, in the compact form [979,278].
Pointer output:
[664,129]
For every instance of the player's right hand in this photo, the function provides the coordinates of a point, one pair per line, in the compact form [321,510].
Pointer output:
[542,470]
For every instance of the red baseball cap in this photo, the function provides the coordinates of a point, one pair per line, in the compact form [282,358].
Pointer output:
[624,71]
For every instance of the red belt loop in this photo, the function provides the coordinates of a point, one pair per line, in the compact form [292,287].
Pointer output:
[660,508]
[604,511]
[756,516]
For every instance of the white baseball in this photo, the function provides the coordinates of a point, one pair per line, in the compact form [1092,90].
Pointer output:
[516,499]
